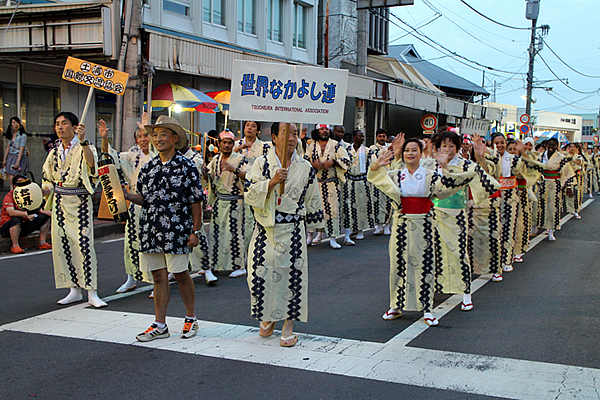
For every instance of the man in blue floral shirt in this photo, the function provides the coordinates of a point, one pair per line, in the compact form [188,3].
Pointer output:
[171,221]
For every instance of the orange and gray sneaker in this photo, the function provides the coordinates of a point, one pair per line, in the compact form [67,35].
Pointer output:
[190,326]
[154,332]
[17,250]
[45,246]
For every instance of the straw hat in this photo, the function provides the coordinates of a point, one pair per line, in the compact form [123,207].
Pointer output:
[170,123]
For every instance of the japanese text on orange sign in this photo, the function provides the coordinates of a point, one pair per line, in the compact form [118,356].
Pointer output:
[96,76]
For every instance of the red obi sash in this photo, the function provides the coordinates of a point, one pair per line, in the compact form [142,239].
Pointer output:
[551,174]
[522,184]
[416,205]
[509,182]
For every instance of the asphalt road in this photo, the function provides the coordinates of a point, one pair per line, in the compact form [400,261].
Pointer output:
[545,311]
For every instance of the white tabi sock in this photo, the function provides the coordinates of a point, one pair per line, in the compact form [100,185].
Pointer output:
[467,298]
[347,235]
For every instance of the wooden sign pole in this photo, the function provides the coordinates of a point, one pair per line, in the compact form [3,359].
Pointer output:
[88,101]
[285,155]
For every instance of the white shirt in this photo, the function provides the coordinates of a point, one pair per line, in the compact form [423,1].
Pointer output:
[506,170]
[63,152]
[413,185]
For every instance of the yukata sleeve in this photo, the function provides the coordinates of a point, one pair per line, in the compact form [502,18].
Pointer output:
[212,196]
[47,180]
[450,183]
[530,169]
[342,158]
[382,180]
[315,218]
[483,184]
[257,194]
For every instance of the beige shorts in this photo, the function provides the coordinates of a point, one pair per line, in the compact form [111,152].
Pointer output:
[174,263]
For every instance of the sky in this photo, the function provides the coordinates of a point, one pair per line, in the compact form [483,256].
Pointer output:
[574,36]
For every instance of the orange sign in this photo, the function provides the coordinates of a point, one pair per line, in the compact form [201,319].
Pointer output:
[509,182]
[95,76]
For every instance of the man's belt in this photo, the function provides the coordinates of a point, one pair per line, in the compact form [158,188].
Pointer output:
[521,183]
[362,177]
[70,191]
[551,174]
[229,197]
[284,218]
[334,179]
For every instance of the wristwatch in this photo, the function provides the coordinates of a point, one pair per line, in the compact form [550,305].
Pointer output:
[197,233]
[85,143]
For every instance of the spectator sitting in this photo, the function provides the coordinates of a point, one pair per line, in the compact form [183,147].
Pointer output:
[15,223]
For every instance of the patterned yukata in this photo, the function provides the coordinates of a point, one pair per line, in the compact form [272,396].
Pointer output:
[199,258]
[330,181]
[453,266]
[169,190]
[71,183]
[278,256]
[258,148]
[412,249]
[573,202]
[508,167]
[557,174]
[382,207]
[130,163]
[227,229]
[357,206]
[484,231]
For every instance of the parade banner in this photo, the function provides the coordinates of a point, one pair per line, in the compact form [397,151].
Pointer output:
[95,76]
[281,92]
[474,127]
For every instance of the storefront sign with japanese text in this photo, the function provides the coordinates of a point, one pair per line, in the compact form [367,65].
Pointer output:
[280,92]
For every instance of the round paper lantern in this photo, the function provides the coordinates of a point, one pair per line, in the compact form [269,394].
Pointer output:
[28,195]
[211,147]
[198,147]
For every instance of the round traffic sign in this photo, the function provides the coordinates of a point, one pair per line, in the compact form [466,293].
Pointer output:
[429,122]
[524,129]
[524,118]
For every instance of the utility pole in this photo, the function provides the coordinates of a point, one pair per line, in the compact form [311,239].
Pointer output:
[532,10]
[128,110]
[483,84]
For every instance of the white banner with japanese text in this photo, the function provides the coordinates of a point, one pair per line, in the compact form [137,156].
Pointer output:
[287,93]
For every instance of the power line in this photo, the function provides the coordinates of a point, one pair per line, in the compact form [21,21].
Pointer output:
[562,80]
[445,48]
[567,65]
[492,20]
[419,27]
[476,26]
[432,8]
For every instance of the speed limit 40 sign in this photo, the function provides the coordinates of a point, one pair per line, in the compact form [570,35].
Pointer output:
[429,122]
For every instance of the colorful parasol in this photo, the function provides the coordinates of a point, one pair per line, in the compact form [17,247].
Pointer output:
[168,94]
[223,96]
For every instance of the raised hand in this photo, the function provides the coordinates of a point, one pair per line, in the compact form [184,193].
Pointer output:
[397,144]
[442,156]
[102,129]
[384,159]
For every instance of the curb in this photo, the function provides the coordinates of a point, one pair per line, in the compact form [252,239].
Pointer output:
[30,242]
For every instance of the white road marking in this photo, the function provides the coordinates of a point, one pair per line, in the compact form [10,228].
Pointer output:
[392,361]
[388,362]
[113,240]
[33,253]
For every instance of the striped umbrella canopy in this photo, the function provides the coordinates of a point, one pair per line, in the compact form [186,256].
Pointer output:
[168,94]
[223,96]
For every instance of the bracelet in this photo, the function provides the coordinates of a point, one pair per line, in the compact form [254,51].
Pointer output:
[237,171]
